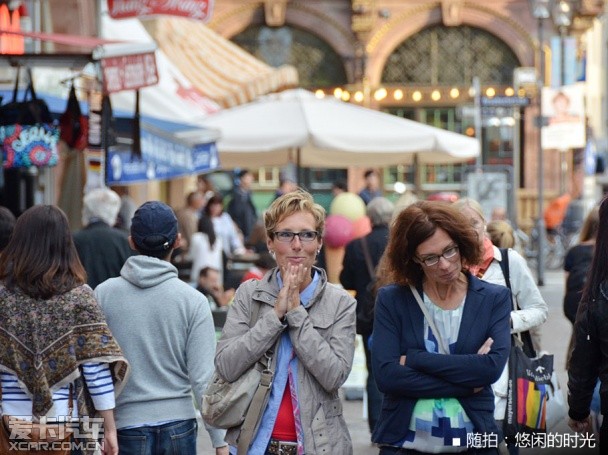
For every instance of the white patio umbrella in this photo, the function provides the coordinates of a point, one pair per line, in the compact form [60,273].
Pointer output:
[296,126]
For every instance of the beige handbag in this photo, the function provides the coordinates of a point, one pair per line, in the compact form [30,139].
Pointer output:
[240,403]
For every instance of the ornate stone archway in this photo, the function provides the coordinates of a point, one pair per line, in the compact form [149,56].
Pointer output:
[406,24]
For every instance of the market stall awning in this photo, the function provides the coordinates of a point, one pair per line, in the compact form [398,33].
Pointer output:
[174,98]
[218,68]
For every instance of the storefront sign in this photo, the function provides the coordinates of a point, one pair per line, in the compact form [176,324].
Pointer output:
[161,159]
[195,9]
[505,101]
[129,72]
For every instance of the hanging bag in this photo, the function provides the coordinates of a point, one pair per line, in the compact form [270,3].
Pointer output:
[532,381]
[28,134]
[74,126]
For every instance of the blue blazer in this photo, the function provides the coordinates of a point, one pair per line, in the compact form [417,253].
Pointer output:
[398,330]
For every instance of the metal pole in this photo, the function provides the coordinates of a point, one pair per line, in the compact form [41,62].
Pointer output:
[478,126]
[540,260]
[563,153]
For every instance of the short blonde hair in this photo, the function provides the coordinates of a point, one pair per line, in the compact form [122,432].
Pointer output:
[501,234]
[296,201]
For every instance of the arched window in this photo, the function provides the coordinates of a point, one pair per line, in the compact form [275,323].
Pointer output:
[317,63]
[441,55]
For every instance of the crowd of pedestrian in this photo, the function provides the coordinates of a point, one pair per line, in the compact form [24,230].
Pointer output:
[100,321]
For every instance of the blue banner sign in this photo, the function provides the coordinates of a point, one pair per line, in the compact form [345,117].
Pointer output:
[162,158]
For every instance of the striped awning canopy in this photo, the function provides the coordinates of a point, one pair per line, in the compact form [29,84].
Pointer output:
[218,68]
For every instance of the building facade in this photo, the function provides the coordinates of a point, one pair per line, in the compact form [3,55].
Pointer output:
[419,59]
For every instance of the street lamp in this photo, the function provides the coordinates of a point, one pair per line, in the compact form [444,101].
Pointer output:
[540,11]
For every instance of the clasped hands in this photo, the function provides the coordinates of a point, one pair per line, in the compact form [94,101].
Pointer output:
[293,275]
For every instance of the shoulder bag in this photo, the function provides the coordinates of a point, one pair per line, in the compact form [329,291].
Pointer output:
[533,389]
[239,403]
[31,438]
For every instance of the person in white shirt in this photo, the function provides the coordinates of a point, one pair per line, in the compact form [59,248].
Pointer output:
[531,310]
[205,249]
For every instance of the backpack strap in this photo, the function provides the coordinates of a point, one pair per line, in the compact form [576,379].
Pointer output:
[368,258]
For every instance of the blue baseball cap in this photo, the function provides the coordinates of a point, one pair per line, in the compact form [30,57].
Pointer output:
[154,227]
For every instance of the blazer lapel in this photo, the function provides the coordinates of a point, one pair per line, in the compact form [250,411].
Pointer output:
[416,316]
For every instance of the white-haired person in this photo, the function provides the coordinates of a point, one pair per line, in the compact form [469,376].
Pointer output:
[102,248]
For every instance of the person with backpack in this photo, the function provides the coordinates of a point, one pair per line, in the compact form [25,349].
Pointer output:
[361,258]
[530,309]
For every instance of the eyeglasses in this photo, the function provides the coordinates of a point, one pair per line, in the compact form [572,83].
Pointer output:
[448,254]
[288,236]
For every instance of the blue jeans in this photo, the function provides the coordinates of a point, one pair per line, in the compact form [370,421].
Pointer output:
[175,438]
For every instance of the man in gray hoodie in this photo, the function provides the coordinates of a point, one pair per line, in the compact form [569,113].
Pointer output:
[165,329]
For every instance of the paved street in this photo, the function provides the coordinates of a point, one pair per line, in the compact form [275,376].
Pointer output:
[555,337]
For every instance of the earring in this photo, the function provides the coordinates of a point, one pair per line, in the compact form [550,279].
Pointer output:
[319,251]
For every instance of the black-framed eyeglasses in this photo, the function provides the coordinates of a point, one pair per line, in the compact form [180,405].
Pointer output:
[288,236]
[449,253]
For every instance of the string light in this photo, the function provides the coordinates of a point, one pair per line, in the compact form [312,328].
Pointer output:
[380,94]
[417,96]
[320,94]
[338,92]
[398,94]
[358,96]
[436,95]
[454,93]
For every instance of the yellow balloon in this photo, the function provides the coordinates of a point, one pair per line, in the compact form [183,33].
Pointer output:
[349,205]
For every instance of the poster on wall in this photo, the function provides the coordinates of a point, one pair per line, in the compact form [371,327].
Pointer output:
[564,109]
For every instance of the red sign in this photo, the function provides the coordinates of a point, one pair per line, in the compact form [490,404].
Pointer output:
[129,72]
[10,44]
[195,9]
